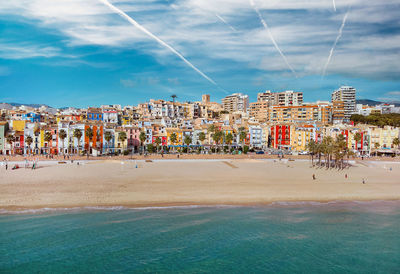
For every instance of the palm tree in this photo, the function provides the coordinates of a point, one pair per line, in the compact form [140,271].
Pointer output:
[202,137]
[217,137]
[328,147]
[357,137]
[173,138]
[48,137]
[242,136]
[187,140]
[229,139]
[108,137]
[78,136]
[89,135]
[29,141]
[340,149]
[122,138]
[312,149]
[174,96]
[62,134]
[11,140]
[142,138]
[158,142]
[396,142]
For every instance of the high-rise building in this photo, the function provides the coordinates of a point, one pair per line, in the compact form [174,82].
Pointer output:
[236,102]
[347,95]
[285,98]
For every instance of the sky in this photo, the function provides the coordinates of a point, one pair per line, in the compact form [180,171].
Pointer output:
[90,52]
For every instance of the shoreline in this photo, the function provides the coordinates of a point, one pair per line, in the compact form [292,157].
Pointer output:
[142,207]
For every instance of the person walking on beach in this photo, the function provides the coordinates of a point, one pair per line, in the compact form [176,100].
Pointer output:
[313,176]
[345,176]
[363,180]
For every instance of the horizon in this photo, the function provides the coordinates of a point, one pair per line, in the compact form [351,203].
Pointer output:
[81,53]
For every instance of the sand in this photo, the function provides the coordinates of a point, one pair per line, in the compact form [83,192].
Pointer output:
[192,182]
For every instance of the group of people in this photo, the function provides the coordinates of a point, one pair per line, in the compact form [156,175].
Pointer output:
[27,162]
[345,176]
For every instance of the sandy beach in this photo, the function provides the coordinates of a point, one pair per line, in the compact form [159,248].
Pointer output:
[192,182]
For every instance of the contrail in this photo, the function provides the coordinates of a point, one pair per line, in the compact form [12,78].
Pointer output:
[271,36]
[335,43]
[143,29]
[334,5]
[226,23]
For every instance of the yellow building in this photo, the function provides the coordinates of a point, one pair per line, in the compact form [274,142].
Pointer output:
[18,125]
[301,136]
[383,136]
[179,136]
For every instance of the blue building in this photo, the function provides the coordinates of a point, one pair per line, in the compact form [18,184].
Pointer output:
[94,114]
[32,117]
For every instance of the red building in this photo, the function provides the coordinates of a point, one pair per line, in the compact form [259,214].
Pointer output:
[164,140]
[280,136]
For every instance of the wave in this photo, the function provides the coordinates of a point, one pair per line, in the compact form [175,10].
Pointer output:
[286,204]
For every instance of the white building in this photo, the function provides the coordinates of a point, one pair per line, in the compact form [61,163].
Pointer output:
[236,102]
[256,136]
[347,95]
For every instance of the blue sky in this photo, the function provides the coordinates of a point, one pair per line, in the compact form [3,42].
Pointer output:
[81,52]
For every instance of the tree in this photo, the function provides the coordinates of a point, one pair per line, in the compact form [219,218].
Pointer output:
[340,149]
[62,134]
[108,137]
[187,140]
[376,145]
[202,137]
[217,137]
[328,149]
[122,137]
[173,138]
[29,141]
[89,134]
[48,137]
[312,149]
[396,142]
[142,138]
[357,138]
[78,136]
[229,139]
[11,140]
[158,142]
[174,96]
[242,135]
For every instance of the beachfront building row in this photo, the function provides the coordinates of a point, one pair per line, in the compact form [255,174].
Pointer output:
[97,138]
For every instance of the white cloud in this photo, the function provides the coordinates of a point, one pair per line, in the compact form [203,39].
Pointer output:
[305,35]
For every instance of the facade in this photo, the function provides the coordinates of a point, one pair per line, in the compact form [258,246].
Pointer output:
[285,98]
[236,102]
[347,95]
[3,130]
[280,136]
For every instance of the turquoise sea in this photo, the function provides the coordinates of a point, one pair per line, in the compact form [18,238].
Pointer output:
[355,237]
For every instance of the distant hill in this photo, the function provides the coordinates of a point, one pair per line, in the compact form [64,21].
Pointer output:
[28,105]
[374,103]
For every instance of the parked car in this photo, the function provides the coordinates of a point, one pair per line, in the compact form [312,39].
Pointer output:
[260,152]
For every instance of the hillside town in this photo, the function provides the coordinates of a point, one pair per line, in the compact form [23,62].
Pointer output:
[276,122]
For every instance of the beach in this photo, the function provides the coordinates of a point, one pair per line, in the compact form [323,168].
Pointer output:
[125,183]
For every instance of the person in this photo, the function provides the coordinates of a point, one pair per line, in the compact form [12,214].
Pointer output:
[313,176]
[363,181]
[6,164]
[390,168]
[345,176]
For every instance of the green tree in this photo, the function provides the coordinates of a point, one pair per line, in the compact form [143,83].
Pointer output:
[142,138]
[29,141]
[48,137]
[396,142]
[10,140]
[78,136]
[173,138]
[62,134]
[357,138]
[108,137]
[89,134]
[312,149]
[122,137]
[158,142]
[187,140]
[242,136]
[217,137]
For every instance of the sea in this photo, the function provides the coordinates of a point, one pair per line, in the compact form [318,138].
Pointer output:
[335,237]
